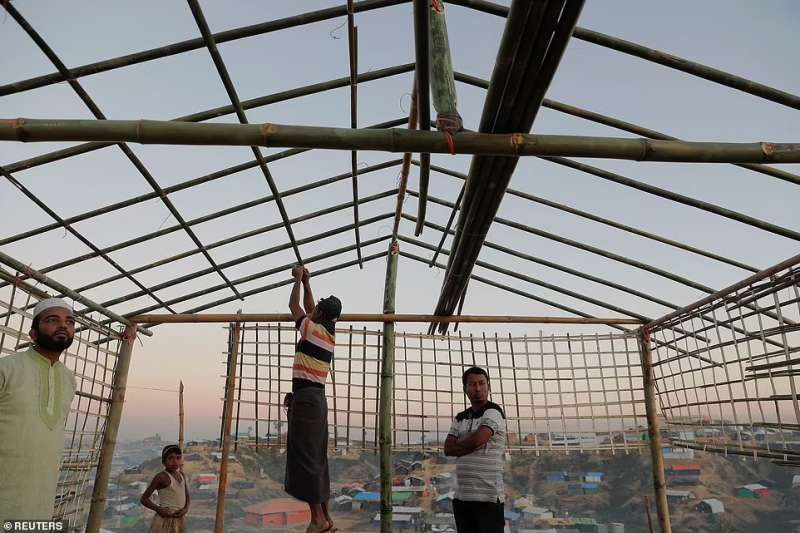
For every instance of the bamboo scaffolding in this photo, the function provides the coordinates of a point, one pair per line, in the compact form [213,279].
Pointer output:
[137,163]
[222,70]
[594,218]
[275,270]
[63,289]
[213,216]
[668,60]
[97,508]
[636,129]
[393,140]
[194,44]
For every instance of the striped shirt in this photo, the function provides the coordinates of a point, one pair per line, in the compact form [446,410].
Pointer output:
[480,473]
[312,358]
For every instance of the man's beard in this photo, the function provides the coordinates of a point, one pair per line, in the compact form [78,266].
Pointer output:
[51,343]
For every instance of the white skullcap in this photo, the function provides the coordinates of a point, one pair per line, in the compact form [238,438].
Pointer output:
[50,303]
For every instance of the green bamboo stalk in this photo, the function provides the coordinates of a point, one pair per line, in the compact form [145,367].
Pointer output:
[393,140]
[387,390]
[110,434]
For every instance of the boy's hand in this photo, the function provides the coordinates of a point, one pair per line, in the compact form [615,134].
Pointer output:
[180,513]
[305,275]
[297,272]
[163,512]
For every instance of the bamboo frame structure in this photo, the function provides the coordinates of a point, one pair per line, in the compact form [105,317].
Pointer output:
[393,140]
[723,351]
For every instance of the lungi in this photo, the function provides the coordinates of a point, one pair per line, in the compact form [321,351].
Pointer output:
[307,477]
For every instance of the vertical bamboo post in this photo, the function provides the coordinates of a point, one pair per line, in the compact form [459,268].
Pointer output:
[227,417]
[120,383]
[181,439]
[657,459]
[387,386]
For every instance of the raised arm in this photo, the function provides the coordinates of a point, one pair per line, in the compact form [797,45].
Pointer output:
[294,297]
[308,296]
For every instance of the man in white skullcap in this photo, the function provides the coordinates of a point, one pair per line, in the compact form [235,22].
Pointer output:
[36,392]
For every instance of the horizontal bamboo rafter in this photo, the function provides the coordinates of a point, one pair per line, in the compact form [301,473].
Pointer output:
[393,140]
[376,317]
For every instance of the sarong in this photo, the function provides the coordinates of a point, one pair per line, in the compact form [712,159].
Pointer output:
[307,477]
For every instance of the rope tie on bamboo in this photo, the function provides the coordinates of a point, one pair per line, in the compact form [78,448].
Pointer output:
[437,5]
[129,337]
[449,125]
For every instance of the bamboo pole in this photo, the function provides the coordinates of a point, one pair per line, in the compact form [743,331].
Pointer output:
[181,439]
[656,56]
[393,140]
[230,385]
[656,456]
[222,70]
[421,11]
[352,52]
[194,44]
[406,168]
[386,317]
[120,383]
[387,389]
[63,289]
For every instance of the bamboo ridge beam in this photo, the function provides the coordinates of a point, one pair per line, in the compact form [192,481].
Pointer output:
[376,317]
[393,140]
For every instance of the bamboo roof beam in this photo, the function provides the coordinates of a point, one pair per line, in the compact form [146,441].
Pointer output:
[532,280]
[555,266]
[171,189]
[206,318]
[217,112]
[662,58]
[352,52]
[229,240]
[137,163]
[406,167]
[75,233]
[213,216]
[393,140]
[56,286]
[619,258]
[246,258]
[513,290]
[195,44]
[275,270]
[423,92]
[562,268]
[222,70]
[595,218]
[675,197]
[622,125]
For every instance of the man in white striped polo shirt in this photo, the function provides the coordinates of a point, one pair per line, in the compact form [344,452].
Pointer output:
[478,438]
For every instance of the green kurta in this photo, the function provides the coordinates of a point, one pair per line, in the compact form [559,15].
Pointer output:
[35,398]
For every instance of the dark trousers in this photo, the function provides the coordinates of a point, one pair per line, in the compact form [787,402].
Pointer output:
[479,517]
